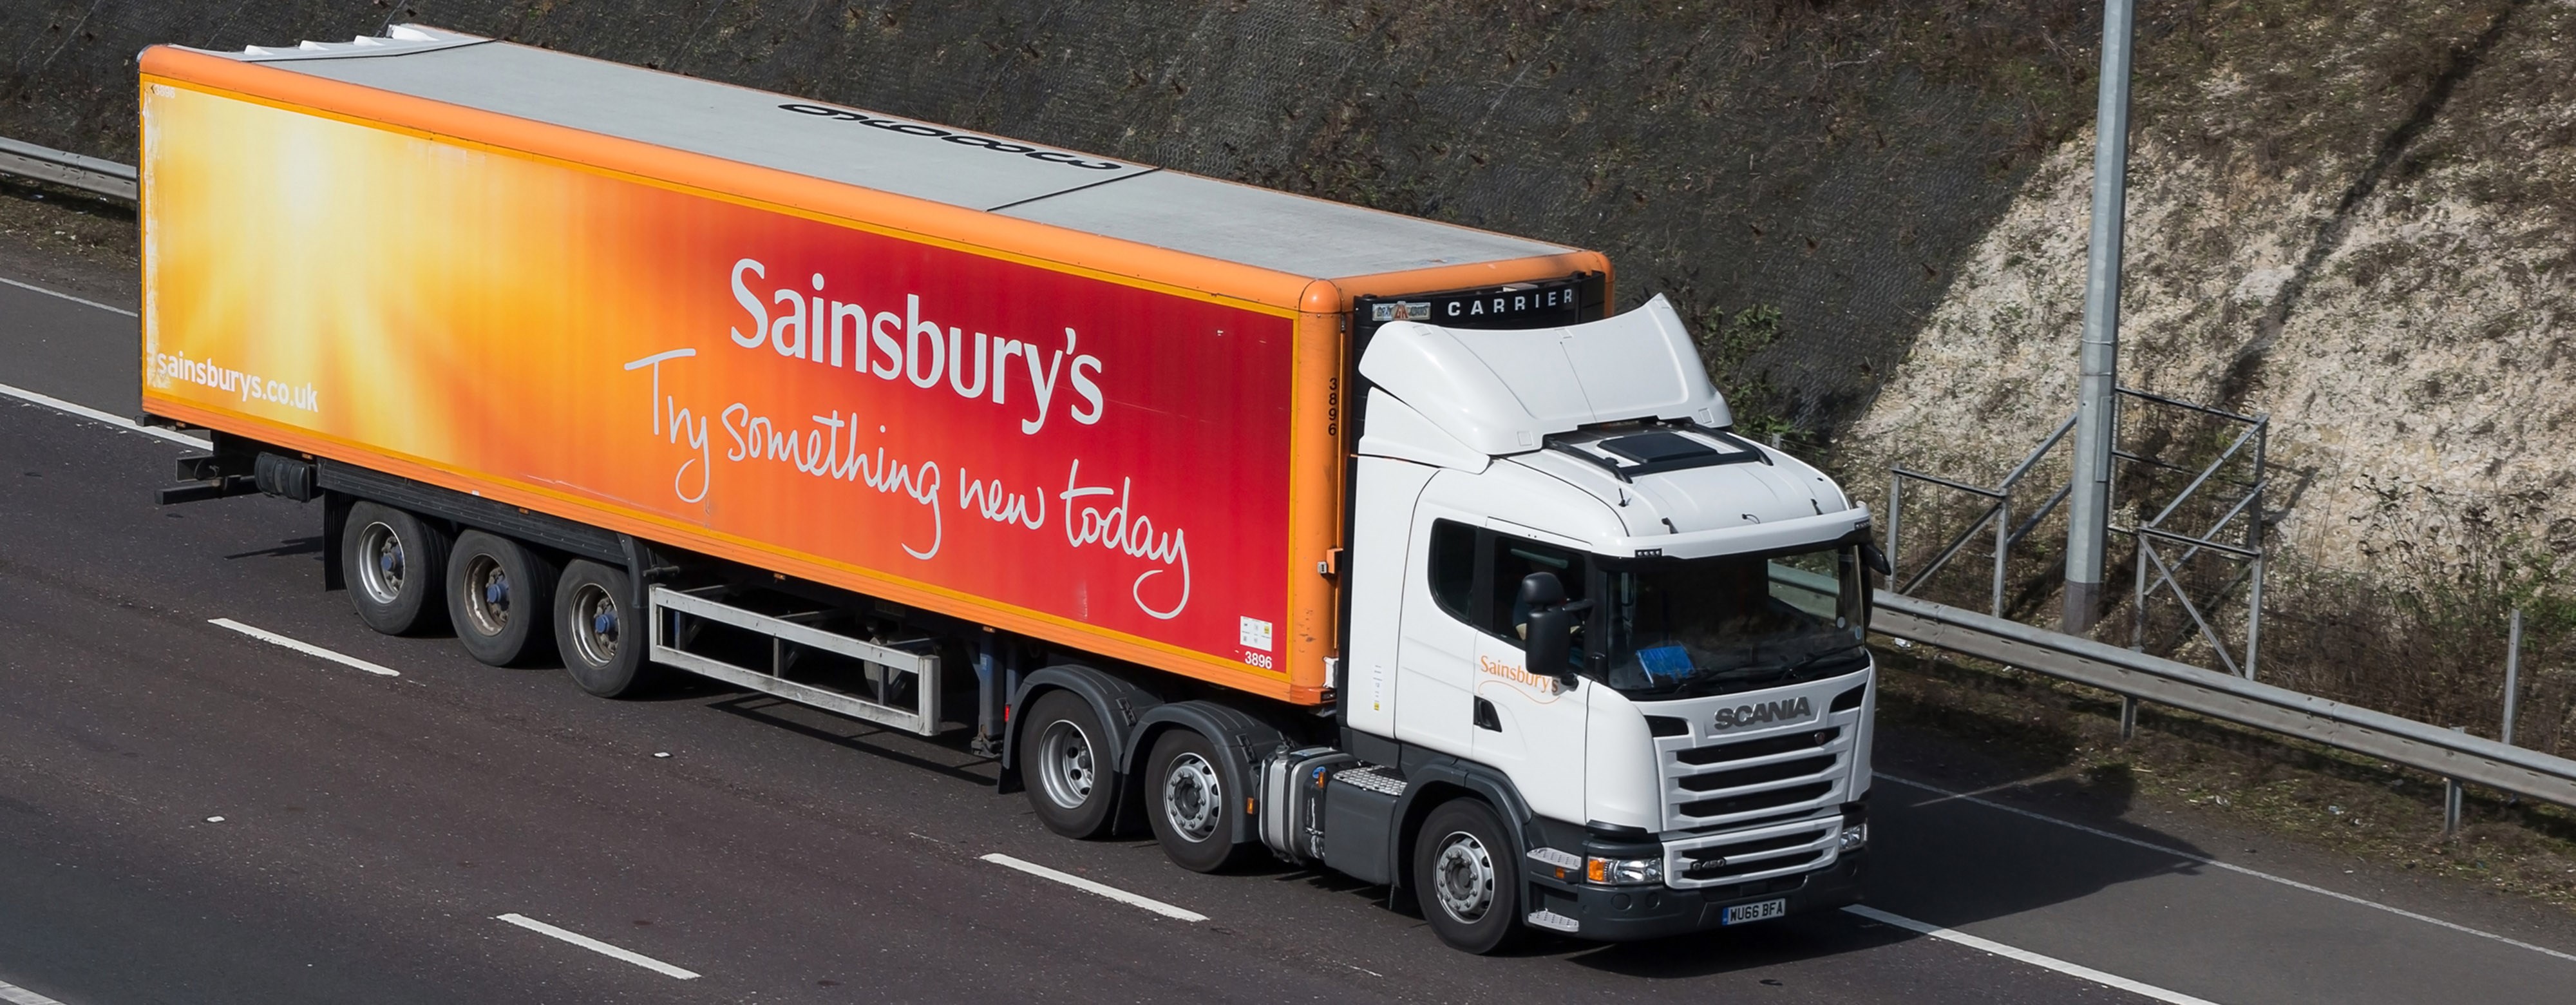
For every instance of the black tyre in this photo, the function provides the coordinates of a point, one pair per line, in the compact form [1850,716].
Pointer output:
[1068,766]
[500,598]
[396,567]
[1467,878]
[1189,805]
[601,639]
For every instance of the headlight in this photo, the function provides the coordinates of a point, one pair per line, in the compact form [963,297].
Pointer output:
[1624,871]
[1855,832]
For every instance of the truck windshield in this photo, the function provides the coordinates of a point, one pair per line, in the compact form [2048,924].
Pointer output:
[1683,628]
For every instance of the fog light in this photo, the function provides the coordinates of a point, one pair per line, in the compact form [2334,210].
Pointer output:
[1855,837]
[1624,871]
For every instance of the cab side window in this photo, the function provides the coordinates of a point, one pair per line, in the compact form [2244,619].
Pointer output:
[1453,568]
[1514,559]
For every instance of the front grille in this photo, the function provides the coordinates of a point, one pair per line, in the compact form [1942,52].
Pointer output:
[1753,855]
[1754,780]
[1741,777]
[1724,752]
[1724,869]
[1744,848]
[1752,802]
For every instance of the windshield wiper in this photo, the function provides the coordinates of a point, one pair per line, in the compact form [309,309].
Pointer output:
[1711,683]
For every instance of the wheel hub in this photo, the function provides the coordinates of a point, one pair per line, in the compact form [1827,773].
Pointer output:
[595,613]
[382,566]
[1463,877]
[1065,764]
[1192,797]
[488,595]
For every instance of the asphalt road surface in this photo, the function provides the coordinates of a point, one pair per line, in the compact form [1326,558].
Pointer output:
[193,814]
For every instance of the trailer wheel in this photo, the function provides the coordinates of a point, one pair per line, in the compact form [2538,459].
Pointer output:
[396,567]
[601,641]
[1466,877]
[500,597]
[1071,773]
[1188,806]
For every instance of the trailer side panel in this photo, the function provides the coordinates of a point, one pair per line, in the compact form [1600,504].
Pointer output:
[1100,461]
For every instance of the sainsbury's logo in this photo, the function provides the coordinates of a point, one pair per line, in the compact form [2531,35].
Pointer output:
[1537,682]
[822,328]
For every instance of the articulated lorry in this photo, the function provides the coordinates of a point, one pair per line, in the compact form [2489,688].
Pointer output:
[1269,524]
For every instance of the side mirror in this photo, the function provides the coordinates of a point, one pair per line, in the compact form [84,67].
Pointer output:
[1551,637]
[1540,591]
[1877,561]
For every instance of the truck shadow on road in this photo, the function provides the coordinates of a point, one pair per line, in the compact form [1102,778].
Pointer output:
[286,548]
[1939,859]
[1935,858]
[848,734]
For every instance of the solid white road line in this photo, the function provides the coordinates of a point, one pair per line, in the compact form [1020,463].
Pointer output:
[16,995]
[1947,795]
[306,648]
[67,296]
[596,946]
[2026,956]
[119,421]
[1102,889]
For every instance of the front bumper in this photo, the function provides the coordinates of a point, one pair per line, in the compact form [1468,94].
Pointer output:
[1612,914]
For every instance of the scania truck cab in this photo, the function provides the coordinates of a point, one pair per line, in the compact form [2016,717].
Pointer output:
[1636,638]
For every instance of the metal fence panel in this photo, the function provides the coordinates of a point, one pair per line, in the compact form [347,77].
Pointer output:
[2226,697]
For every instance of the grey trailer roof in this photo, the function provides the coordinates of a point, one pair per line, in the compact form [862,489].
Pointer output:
[1101,195]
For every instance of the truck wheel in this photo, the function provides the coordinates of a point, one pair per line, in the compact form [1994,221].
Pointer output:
[1466,877]
[602,642]
[1187,803]
[500,597]
[396,567]
[1067,765]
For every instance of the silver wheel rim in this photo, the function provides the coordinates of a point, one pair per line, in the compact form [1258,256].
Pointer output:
[1462,877]
[595,624]
[1064,764]
[1192,797]
[487,595]
[381,563]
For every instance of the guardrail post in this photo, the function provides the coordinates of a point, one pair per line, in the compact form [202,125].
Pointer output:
[2138,607]
[2254,604]
[2128,718]
[2452,798]
[2512,675]
[2003,548]
[1895,494]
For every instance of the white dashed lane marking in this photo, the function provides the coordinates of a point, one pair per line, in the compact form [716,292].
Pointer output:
[307,648]
[596,946]
[1101,889]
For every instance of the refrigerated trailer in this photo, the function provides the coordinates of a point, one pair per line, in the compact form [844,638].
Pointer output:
[1268,523]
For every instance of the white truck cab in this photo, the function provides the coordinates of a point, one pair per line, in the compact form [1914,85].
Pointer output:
[1576,594]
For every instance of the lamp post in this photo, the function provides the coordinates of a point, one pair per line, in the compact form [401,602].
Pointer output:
[2088,514]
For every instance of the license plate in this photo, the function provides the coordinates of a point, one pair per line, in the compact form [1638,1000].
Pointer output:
[1761,911]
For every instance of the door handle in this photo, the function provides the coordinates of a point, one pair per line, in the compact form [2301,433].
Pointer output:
[1487,717]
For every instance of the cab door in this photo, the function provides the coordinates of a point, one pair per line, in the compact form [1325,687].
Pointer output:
[1528,722]
[1435,658]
